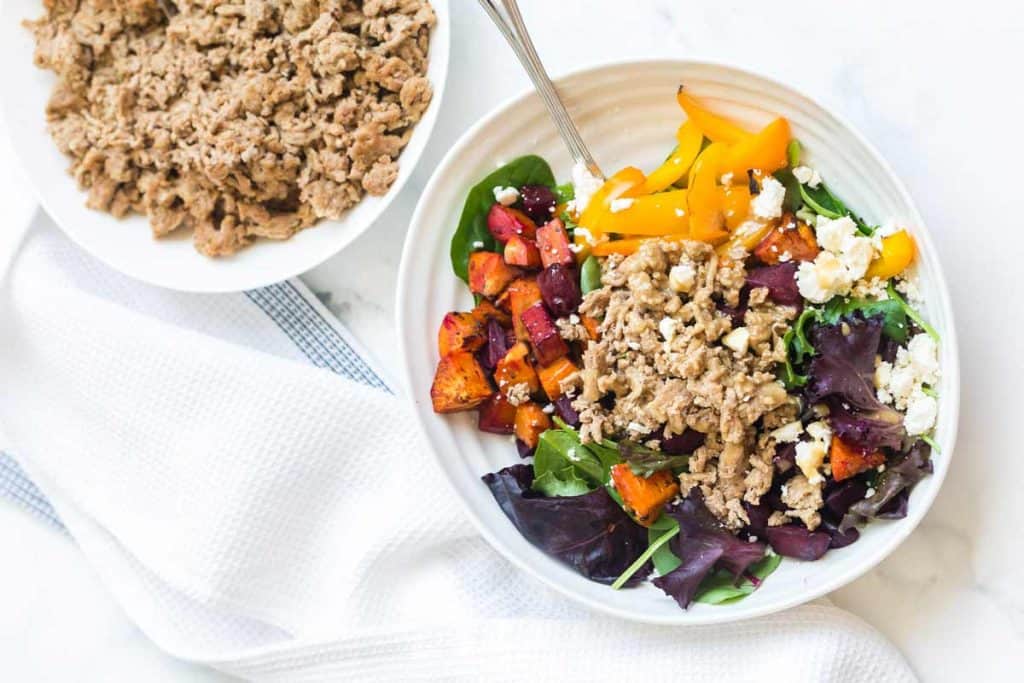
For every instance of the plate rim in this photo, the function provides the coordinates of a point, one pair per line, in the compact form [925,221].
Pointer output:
[440,48]
[951,403]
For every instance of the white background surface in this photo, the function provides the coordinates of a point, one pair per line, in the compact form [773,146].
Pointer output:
[933,85]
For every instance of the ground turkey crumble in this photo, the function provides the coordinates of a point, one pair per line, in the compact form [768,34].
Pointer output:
[235,119]
[672,359]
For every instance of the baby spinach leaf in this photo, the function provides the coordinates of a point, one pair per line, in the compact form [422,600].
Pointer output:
[562,463]
[472,229]
[721,588]
[563,482]
[566,192]
[590,275]
[645,461]
[792,200]
[821,200]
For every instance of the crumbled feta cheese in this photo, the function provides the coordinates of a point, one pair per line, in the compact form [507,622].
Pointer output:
[768,203]
[477,244]
[727,178]
[682,277]
[585,184]
[922,410]
[901,383]
[810,455]
[584,235]
[788,433]
[667,327]
[575,248]
[807,176]
[831,233]
[636,427]
[823,278]
[634,346]
[870,492]
[820,431]
[738,340]
[909,289]
[549,409]
[845,257]
[506,196]
[574,319]
[621,204]
[873,289]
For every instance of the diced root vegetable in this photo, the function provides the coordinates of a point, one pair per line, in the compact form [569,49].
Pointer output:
[486,311]
[460,332]
[497,343]
[497,415]
[531,422]
[505,222]
[560,289]
[514,369]
[539,202]
[645,496]
[523,252]
[553,242]
[459,383]
[489,274]
[551,376]
[848,461]
[791,238]
[519,296]
[548,344]
[593,326]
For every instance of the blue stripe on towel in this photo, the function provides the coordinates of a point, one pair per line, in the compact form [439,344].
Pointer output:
[308,329]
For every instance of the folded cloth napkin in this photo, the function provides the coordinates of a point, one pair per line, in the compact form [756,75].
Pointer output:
[253,495]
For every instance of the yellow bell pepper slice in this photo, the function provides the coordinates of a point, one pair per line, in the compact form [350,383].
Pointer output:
[688,141]
[629,246]
[765,151]
[715,127]
[628,182]
[706,200]
[664,213]
[735,205]
[747,236]
[898,251]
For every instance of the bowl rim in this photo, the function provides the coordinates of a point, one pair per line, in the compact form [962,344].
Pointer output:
[951,371]
[229,281]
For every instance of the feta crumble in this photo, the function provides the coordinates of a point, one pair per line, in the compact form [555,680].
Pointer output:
[477,244]
[506,196]
[683,277]
[901,383]
[621,204]
[844,258]
[810,455]
[807,176]
[667,327]
[788,433]
[585,184]
[738,340]
[768,203]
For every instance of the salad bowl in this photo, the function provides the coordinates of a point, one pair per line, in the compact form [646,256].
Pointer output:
[623,111]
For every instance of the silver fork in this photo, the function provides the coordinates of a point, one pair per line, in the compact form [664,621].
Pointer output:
[505,15]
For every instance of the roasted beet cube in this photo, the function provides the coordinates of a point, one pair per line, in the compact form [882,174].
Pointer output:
[548,345]
[560,288]
[553,242]
[489,274]
[497,343]
[539,202]
[521,251]
[504,222]
[497,415]
[519,296]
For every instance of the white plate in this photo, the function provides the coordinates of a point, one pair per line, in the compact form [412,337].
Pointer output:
[628,114]
[127,244]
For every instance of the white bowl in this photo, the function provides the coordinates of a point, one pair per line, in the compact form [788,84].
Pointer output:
[127,244]
[628,114]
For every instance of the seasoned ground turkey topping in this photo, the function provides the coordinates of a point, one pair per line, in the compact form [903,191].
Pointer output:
[235,119]
[671,357]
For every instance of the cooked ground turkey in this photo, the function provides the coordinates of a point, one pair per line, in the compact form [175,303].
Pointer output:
[671,358]
[235,119]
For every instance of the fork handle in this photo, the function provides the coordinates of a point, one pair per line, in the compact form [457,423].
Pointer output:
[505,15]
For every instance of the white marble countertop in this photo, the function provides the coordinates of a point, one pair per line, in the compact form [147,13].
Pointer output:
[933,86]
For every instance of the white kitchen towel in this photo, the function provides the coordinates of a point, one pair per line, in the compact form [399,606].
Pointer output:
[283,522]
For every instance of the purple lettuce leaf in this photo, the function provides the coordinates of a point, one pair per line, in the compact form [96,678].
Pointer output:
[702,545]
[780,280]
[590,532]
[899,478]
[842,376]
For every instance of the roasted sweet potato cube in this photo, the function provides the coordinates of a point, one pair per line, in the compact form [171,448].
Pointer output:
[516,368]
[593,327]
[645,496]
[523,252]
[553,242]
[519,296]
[848,461]
[485,311]
[496,415]
[505,222]
[547,343]
[551,376]
[791,240]
[459,383]
[531,422]
[460,332]
[489,274]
